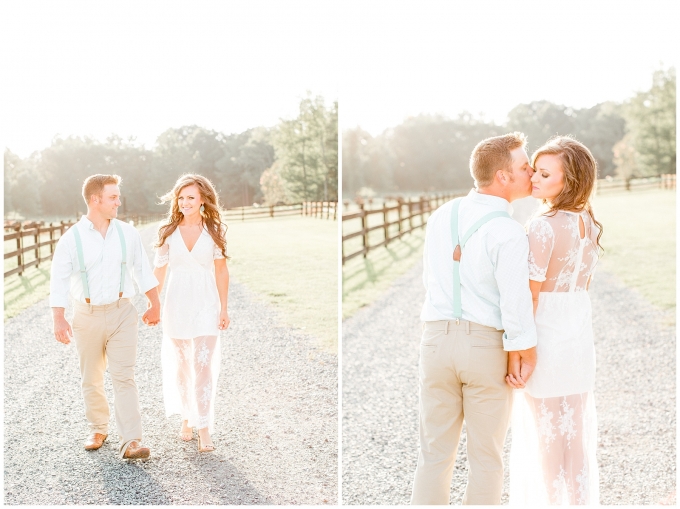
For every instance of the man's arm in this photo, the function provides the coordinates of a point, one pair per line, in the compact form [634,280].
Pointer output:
[60,282]
[512,275]
[147,282]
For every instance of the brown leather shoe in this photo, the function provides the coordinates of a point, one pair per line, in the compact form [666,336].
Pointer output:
[136,451]
[94,441]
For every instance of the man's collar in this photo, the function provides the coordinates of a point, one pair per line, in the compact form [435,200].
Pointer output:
[89,224]
[490,200]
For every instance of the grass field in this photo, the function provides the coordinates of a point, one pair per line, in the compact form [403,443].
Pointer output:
[639,240]
[290,262]
[293,264]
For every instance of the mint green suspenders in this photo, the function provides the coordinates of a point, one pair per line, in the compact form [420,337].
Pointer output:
[81,260]
[457,251]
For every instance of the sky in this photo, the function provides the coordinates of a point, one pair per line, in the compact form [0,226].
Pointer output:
[138,68]
[401,59]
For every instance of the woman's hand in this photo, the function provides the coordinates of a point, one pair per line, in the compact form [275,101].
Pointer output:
[224,320]
[513,378]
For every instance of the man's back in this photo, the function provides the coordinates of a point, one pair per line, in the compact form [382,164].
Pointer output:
[493,269]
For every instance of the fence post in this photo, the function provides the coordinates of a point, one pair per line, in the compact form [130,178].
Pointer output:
[385,222]
[36,238]
[19,243]
[51,239]
[335,211]
[422,209]
[364,233]
[410,214]
[271,211]
[400,203]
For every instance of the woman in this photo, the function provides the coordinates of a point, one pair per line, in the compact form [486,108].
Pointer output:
[554,427]
[191,242]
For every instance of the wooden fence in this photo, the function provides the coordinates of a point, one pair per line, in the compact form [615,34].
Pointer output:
[31,243]
[320,209]
[665,181]
[38,237]
[397,217]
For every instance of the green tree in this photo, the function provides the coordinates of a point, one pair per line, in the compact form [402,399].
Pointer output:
[307,149]
[651,123]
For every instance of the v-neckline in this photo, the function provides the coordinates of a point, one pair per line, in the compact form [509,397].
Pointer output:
[184,242]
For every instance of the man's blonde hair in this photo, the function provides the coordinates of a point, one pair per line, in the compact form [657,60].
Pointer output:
[493,154]
[94,185]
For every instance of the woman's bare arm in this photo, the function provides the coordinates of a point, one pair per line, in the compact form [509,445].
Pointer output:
[222,280]
[535,287]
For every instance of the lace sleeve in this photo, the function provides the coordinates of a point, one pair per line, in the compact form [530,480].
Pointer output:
[541,243]
[217,252]
[162,256]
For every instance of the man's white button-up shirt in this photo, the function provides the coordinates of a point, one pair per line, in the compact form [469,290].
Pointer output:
[494,270]
[102,257]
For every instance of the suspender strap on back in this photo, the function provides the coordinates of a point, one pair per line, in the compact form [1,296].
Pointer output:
[123,263]
[458,244]
[81,260]
[457,307]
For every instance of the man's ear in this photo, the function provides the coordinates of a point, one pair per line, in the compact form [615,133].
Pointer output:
[501,177]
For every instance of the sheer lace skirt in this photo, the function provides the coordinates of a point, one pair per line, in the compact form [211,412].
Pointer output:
[553,453]
[190,372]
[554,423]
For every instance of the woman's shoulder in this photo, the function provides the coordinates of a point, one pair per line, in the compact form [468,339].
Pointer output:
[542,224]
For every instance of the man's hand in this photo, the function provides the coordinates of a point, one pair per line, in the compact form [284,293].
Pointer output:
[62,329]
[152,315]
[521,366]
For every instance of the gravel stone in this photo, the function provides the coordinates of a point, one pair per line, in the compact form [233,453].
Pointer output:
[275,421]
[634,390]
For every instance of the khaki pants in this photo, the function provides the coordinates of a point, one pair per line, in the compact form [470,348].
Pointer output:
[104,333]
[462,377]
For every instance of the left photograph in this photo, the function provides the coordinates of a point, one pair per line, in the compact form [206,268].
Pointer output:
[171,254]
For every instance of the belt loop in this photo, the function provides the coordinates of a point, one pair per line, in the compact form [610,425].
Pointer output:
[446,329]
[467,327]
[90,306]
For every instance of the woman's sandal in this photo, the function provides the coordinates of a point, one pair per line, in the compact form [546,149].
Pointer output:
[207,448]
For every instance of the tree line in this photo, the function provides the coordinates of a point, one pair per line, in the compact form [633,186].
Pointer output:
[429,153]
[291,162]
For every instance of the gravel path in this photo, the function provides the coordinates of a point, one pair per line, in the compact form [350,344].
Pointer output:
[635,396]
[276,420]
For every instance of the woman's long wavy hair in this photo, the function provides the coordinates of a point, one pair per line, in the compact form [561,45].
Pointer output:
[580,177]
[211,215]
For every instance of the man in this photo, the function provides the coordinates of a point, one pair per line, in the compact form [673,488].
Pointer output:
[471,322]
[104,320]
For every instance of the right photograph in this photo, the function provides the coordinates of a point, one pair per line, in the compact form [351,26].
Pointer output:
[509,255]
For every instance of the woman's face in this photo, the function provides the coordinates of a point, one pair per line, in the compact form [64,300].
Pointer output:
[548,180]
[189,201]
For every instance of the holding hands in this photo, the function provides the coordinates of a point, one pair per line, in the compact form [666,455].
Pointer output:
[152,316]
[521,364]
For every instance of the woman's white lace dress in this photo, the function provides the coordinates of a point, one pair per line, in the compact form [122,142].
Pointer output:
[191,338]
[554,426]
